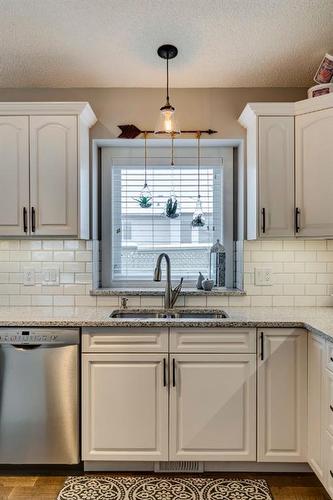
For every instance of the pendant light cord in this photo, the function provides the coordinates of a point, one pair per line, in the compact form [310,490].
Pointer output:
[198,137]
[145,136]
[167,96]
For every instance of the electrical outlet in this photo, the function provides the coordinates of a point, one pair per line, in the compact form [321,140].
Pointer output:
[263,277]
[28,276]
[51,276]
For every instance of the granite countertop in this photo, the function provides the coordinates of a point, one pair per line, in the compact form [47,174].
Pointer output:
[318,320]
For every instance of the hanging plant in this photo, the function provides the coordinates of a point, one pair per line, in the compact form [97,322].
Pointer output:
[171,208]
[145,198]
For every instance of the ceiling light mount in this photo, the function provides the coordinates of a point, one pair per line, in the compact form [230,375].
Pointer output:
[167,51]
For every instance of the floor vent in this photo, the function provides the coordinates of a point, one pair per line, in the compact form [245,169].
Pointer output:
[174,467]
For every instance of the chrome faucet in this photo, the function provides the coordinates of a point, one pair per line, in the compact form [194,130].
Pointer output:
[170,295]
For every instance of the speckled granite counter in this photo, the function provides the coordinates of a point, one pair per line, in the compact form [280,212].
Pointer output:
[318,320]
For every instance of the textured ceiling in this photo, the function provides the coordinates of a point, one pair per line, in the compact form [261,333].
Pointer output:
[108,43]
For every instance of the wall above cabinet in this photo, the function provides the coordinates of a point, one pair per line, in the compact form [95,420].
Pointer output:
[288,172]
[44,169]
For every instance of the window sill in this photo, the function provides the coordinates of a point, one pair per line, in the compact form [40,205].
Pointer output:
[160,291]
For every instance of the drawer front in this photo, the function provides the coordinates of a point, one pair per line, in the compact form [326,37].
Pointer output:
[213,340]
[329,355]
[329,464]
[125,339]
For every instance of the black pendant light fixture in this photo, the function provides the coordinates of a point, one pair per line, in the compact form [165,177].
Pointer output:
[167,122]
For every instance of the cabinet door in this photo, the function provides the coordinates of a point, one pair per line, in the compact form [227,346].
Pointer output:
[14,175]
[54,175]
[282,395]
[212,407]
[125,407]
[276,176]
[328,401]
[316,363]
[314,173]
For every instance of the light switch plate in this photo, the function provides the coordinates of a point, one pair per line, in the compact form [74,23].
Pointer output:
[263,276]
[28,276]
[51,276]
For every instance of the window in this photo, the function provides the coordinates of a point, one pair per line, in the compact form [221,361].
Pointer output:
[133,237]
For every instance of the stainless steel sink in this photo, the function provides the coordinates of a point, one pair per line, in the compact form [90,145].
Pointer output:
[169,314]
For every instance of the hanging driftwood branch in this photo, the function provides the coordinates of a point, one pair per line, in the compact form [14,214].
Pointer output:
[131,132]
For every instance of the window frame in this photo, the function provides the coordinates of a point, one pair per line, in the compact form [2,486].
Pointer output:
[118,154]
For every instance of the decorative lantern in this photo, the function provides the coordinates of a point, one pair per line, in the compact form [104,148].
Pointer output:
[217,264]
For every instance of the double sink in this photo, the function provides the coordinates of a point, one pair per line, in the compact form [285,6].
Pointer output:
[168,314]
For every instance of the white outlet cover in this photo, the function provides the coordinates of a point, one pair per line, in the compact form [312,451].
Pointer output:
[28,276]
[263,276]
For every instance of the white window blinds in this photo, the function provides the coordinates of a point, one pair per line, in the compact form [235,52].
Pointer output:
[139,235]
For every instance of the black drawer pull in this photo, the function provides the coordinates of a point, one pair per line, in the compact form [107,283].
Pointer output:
[262,354]
[33,219]
[173,372]
[331,407]
[263,212]
[331,359]
[331,473]
[297,215]
[25,221]
[164,373]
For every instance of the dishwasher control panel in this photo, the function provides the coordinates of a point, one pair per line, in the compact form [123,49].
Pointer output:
[39,336]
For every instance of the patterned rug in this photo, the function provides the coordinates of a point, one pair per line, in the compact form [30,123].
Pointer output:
[159,487]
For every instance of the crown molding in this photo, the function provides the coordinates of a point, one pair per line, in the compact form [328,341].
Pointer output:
[78,108]
[254,109]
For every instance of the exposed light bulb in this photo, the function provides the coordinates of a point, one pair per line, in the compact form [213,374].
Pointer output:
[167,121]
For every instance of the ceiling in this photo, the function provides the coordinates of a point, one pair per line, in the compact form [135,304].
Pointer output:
[109,43]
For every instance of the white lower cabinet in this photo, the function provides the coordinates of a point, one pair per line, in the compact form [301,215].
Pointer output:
[316,370]
[282,395]
[125,407]
[212,407]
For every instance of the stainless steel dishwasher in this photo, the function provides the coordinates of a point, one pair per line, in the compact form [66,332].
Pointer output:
[39,396]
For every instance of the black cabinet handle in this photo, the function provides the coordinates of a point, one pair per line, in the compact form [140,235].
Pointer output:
[331,473]
[173,372]
[164,373]
[262,346]
[331,358]
[25,221]
[33,219]
[263,213]
[331,407]
[297,214]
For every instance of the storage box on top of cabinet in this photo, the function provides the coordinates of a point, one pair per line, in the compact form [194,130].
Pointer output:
[44,169]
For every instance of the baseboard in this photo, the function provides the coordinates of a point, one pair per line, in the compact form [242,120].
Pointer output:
[101,466]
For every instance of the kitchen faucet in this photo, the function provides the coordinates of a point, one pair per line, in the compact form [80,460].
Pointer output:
[170,295]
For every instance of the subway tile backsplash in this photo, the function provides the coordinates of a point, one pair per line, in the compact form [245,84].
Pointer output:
[302,275]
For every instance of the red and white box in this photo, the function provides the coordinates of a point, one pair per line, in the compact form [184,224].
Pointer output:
[325,71]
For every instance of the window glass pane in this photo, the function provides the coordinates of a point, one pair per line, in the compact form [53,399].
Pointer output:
[139,235]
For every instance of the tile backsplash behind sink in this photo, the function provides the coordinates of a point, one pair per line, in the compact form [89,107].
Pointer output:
[302,275]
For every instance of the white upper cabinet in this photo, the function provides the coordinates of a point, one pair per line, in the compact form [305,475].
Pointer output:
[289,150]
[270,171]
[276,176]
[54,175]
[282,395]
[14,175]
[314,173]
[44,169]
